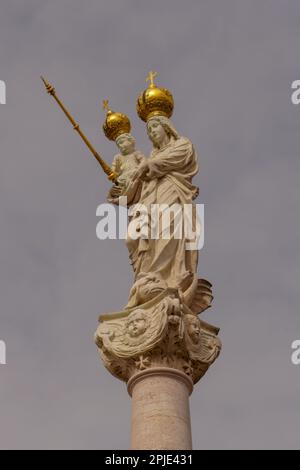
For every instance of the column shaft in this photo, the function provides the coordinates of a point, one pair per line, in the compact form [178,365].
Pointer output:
[160,410]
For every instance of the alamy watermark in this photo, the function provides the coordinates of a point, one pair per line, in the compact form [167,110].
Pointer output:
[2,92]
[158,221]
[2,343]
[2,353]
[295,346]
[295,357]
[295,97]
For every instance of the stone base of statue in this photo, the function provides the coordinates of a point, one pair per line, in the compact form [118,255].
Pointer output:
[160,348]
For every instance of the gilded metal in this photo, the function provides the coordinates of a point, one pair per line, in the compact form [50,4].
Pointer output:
[115,124]
[151,77]
[154,101]
[106,168]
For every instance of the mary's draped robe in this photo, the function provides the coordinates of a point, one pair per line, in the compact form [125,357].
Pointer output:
[169,181]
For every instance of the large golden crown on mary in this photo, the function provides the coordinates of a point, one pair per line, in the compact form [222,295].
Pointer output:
[115,124]
[154,101]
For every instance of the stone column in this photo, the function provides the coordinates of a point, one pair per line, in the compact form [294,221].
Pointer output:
[160,350]
[160,409]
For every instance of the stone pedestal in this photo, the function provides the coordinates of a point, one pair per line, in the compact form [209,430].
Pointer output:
[160,409]
[160,349]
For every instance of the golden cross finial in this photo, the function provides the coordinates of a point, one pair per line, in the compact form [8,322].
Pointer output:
[151,77]
[106,105]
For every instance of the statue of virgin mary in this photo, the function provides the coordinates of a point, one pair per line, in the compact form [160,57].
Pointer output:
[166,255]
[166,184]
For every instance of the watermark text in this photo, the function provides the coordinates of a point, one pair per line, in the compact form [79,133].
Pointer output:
[295,357]
[295,97]
[2,92]
[157,222]
[2,353]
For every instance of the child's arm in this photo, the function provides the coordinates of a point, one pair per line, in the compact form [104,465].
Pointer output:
[116,165]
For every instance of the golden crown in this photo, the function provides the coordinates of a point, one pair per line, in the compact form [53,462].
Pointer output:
[154,101]
[115,124]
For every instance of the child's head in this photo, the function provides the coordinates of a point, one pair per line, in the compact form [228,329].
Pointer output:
[126,144]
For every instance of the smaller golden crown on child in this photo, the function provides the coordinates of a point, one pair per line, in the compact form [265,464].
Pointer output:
[115,124]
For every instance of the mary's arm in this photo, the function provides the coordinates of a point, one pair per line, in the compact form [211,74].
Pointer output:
[179,158]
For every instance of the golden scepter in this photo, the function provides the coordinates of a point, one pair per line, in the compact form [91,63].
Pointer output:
[106,168]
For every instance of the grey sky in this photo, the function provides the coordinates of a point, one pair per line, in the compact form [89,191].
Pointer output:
[230,66]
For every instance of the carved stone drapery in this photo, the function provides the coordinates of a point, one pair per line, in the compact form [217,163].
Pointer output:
[161,332]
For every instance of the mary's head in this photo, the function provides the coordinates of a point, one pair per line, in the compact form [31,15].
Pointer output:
[161,131]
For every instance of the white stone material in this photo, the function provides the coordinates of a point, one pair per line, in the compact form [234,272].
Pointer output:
[160,410]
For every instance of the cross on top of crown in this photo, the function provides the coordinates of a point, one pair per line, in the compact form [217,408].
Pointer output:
[106,105]
[151,77]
